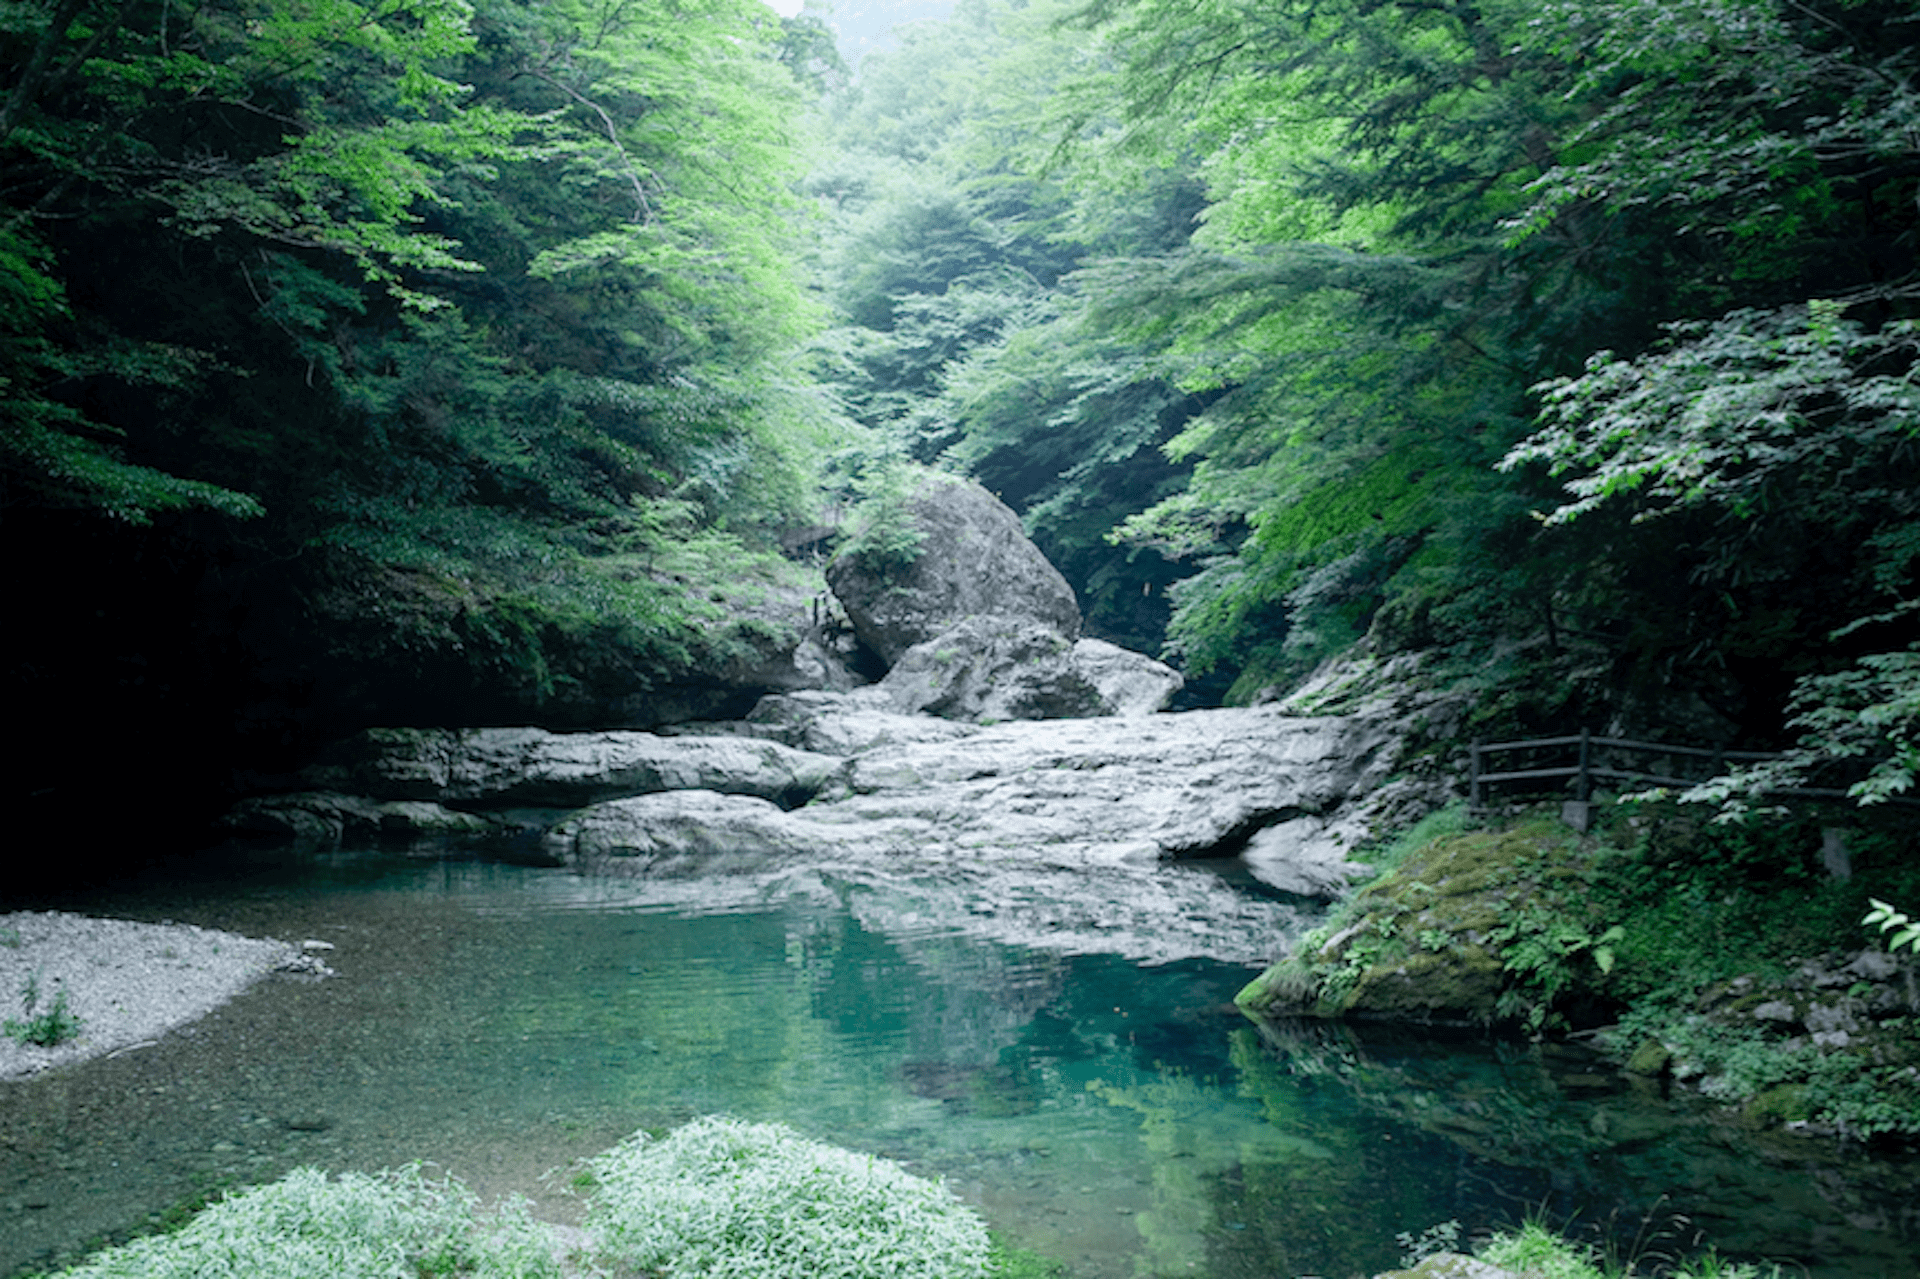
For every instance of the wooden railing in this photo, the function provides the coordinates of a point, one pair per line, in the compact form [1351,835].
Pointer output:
[1596,760]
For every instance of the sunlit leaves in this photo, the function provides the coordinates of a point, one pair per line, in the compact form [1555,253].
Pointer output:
[1749,118]
[682,121]
[1905,930]
[1727,409]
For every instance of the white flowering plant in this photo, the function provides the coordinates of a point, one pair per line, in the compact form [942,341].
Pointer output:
[725,1199]
[395,1224]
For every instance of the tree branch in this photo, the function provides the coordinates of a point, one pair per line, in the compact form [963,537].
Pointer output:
[645,213]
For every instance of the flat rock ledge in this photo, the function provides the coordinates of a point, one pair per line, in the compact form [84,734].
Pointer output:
[128,983]
[845,778]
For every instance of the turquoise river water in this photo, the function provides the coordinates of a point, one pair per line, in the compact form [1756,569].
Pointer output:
[504,1021]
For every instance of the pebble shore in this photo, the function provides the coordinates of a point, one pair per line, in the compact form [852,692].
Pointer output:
[128,983]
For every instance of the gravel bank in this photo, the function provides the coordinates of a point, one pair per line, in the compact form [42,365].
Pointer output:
[128,983]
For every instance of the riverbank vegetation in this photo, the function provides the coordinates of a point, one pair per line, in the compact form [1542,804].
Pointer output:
[715,1198]
[1539,1252]
[1717,958]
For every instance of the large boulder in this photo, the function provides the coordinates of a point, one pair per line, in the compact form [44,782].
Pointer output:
[993,668]
[1129,683]
[973,560]
[988,669]
[677,833]
[502,767]
[847,723]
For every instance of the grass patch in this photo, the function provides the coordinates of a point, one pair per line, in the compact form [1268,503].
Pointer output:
[50,1027]
[718,1199]
[1539,1252]
[1454,819]
[390,1225]
[1004,1261]
[722,1199]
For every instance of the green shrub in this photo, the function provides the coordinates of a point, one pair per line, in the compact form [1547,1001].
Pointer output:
[48,1029]
[1538,1251]
[723,1199]
[391,1225]
[882,533]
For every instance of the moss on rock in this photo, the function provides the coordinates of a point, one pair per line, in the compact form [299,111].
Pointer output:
[1457,934]
[1650,1059]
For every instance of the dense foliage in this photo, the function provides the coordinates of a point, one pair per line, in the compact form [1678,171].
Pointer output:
[397,360]
[1586,330]
[409,360]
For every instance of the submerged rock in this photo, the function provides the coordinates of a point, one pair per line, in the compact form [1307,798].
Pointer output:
[1451,1265]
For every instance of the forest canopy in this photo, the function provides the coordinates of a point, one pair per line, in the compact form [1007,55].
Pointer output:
[386,359]
[1581,334]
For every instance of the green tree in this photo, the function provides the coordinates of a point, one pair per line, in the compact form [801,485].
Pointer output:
[1415,213]
[1779,435]
[486,312]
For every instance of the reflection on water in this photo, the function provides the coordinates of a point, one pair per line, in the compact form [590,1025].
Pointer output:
[504,1021]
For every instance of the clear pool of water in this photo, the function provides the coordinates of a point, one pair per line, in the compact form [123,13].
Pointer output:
[504,1021]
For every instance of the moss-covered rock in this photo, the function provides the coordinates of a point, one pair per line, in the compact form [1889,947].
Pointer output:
[1461,983]
[1649,1059]
[1719,960]
[1786,1104]
[1480,928]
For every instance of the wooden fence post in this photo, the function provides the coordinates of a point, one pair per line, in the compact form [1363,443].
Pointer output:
[1584,790]
[1473,786]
